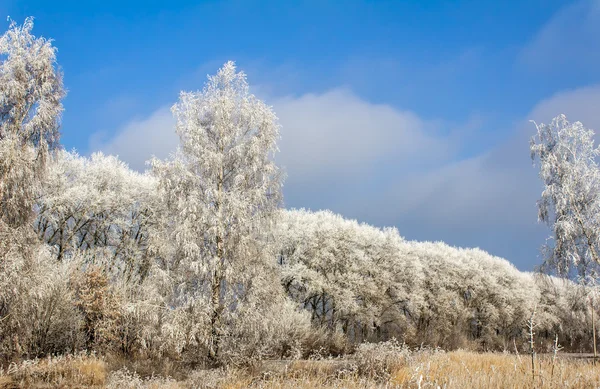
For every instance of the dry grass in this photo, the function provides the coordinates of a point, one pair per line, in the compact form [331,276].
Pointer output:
[422,369]
[461,369]
[79,371]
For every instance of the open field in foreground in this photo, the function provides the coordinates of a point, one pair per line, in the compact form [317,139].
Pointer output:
[427,369]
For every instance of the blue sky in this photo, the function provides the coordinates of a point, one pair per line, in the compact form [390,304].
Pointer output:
[405,113]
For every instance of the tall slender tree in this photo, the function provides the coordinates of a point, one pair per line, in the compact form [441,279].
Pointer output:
[31,90]
[570,202]
[223,189]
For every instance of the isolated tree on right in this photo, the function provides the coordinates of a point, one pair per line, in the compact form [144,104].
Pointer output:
[569,204]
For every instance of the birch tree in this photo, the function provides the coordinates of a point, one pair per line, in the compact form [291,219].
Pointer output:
[221,191]
[31,90]
[570,202]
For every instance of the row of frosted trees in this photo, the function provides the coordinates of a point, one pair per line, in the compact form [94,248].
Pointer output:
[196,260]
[370,284]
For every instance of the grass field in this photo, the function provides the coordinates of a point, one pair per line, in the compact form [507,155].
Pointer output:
[424,369]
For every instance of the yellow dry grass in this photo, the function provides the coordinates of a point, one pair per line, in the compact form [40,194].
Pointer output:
[59,372]
[462,369]
[457,369]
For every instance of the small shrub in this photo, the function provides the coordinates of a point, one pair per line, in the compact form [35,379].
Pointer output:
[99,308]
[125,379]
[379,360]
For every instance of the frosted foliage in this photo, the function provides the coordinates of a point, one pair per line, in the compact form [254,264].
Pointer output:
[370,284]
[30,106]
[339,270]
[36,314]
[37,311]
[30,86]
[570,202]
[99,205]
[221,191]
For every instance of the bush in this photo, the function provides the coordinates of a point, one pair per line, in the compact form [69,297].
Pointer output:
[379,360]
[279,331]
[99,308]
[37,312]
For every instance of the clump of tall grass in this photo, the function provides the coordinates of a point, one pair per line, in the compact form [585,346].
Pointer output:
[68,371]
[378,361]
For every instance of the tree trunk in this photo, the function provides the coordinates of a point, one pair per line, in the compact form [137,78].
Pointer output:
[215,320]
[216,303]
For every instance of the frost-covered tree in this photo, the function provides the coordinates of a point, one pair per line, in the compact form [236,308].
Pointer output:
[221,191]
[96,215]
[34,302]
[100,206]
[342,272]
[370,284]
[31,90]
[570,202]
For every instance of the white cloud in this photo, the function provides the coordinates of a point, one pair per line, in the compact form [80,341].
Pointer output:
[140,139]
[579,104]
[338,134]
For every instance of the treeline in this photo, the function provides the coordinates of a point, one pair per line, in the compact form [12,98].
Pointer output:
[196,261]
[371,285]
